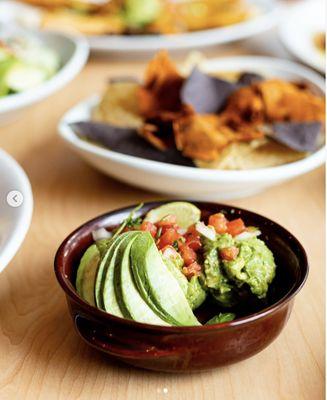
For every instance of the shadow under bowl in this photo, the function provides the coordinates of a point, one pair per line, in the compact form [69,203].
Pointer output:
[181,349]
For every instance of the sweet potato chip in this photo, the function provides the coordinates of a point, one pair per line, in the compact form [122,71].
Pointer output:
[285,101]
[161,89]
[201,136]
[245,106]
[158,130]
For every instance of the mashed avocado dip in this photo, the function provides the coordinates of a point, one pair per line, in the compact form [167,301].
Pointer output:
[161,268]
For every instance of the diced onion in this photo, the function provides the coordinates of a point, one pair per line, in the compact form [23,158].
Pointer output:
[169,252]
[247,235]
[181,231]
[101,234]
[207,231]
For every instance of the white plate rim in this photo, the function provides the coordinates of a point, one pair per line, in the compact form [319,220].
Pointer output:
[143,43]
[285,36]
[22,225]
[189,173]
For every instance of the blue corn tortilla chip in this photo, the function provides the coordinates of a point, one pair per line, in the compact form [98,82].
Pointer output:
[248,78]
[206,94]
[126,141]
[299,136]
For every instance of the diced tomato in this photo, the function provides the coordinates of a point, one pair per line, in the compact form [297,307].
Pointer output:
[193,241]
[167,222]
[188,255]
[193,269]
[168,238]
[235,227]
[192,230]
[229,253]
[127,229]
[149,227]
[219,222]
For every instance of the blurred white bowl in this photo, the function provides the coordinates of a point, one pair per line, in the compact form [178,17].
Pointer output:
[268,12]
[14,221]
[298,28]
[73,52]
[191,182]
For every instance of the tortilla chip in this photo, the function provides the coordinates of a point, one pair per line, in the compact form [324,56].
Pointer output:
[300,136]
[245,106]
[263,153]
[284,101]
[161,89]
[119,105]
[126,141]
[89,24]
[201,136]
[206,94]
[159,129]
[248,78]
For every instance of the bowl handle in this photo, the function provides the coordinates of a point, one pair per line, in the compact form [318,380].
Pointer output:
[98,336]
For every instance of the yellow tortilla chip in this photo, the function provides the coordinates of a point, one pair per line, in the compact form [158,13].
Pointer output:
[261,153]
[119,105]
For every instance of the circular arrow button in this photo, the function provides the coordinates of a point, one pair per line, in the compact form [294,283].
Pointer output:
[15,198]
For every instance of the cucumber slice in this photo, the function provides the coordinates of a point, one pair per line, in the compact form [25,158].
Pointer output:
[129,299]
[86,274]
[187,214]
[21,77]
[157,285]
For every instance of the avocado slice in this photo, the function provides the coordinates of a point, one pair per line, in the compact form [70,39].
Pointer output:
[108,291]
[106,257]
[187,214]
[157,285]
[129,299]
[86,274]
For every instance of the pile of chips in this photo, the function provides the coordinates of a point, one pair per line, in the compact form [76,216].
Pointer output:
[205,120]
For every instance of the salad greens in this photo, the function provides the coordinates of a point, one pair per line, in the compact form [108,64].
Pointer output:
[25,63]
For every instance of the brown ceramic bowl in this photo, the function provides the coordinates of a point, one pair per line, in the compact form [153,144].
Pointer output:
[178,349]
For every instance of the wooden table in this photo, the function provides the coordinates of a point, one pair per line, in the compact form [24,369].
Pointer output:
[41,356]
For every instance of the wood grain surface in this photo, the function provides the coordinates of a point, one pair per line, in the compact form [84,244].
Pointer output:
[41,356]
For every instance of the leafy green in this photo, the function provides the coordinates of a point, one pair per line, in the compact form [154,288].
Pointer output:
[221,318]
[130,221]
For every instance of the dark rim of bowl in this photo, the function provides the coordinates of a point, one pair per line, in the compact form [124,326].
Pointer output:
[70,290]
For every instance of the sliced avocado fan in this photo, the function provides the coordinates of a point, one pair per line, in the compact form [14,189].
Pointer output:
[129,299]
[157,285]
[86,274]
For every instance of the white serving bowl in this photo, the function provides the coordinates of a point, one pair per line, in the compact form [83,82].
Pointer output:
[14,221]
[193,182]
[297,30]
[73,51]
[269,13]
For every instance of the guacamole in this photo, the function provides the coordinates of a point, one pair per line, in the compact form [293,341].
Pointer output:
[160,268]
